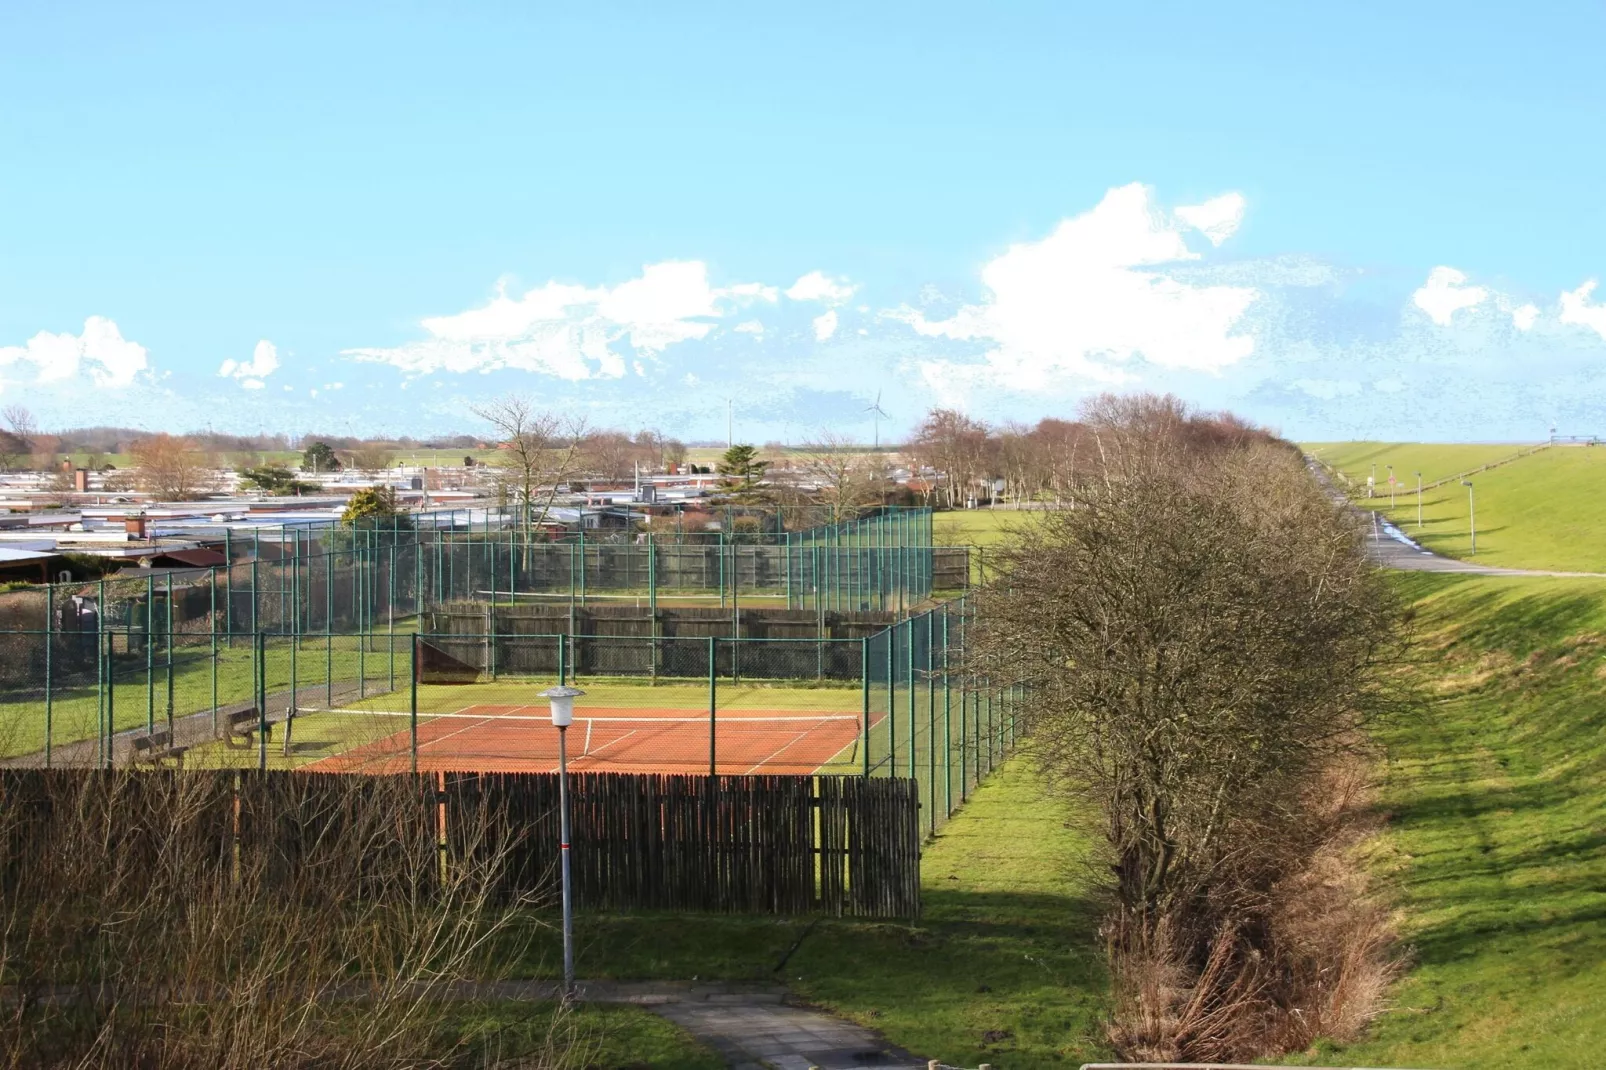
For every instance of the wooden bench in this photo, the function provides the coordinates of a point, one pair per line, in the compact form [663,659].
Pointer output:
[241,727]
[157,747]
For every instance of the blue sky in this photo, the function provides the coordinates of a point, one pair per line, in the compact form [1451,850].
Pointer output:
[1360,220]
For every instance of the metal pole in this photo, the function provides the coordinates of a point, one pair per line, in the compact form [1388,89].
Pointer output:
[150,653]
[170,652]
[412,709]
[713,702]
[50,641]
[563,852]
[1419,501]
[864,676]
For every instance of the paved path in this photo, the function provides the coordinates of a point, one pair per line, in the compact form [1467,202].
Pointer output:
[753,1027]
[1392,548]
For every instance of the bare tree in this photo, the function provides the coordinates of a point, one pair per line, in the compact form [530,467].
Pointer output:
[953,444]
[169,467]
[370,457]
[836,473]
[537,451]
[1205,646]
[17,433]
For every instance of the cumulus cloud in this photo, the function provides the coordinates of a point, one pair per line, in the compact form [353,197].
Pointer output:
[252,373]
[1577,308]
[818,286]
[1095,294]
[1524,317]
[825,325]
[101,354]
[572,332]
[752,327]
[1445,293]
[1217,219]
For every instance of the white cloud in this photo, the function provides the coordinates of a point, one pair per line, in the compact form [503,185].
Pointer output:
[752,327]
[569,331]
[1217,219]
[1524,317]
[1445,293]
[1080,301]
[818,286]
[1578,309]
[825,325]
[252,373]
[101,353]
[1327,389]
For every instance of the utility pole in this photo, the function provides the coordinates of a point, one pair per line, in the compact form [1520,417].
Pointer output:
[1472,516]
[1419,501]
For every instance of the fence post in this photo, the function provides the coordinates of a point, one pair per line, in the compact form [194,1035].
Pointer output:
[111,697]
[909,652]
[652,604]
[892,699]
[713,703]
[947,724]
[931,716]
[412,710]
[563,665]
[50,637]
[261,650]
[150,653]
[864,676]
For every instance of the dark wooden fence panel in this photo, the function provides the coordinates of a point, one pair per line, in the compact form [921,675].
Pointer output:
[733,844]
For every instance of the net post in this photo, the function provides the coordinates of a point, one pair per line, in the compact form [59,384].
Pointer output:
[713,699]
[412,711]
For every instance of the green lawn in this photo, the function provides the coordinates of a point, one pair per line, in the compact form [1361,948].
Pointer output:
[1496,852]
[1006,947]
[1435,460]
[1544,511]
[593,1035]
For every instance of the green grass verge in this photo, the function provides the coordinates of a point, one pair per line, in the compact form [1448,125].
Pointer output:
[595,1035]
[1544,511]
[1496,853]
[1003,967]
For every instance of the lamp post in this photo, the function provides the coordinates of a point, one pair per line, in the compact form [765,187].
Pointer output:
[1419,501]
[562,700]
[1472,515]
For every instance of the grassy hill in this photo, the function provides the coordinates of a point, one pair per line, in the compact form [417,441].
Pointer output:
[1544,511]
[1496,851]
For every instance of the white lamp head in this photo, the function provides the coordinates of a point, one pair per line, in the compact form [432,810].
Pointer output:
[562,700]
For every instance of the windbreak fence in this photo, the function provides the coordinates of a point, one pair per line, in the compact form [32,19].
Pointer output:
[903,702]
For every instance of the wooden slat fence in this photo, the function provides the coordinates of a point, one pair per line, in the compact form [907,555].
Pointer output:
[733,844]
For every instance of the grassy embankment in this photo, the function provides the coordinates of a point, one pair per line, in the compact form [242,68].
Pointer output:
[1496,850]
[1544,511]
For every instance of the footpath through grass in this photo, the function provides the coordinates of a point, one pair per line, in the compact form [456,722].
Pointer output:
[1004,967]
[1496,853]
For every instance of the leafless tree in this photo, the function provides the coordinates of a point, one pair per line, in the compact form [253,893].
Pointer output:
[837,474]
[537,451]
[170,468]
[1205,647]
[369,457]
[17,433]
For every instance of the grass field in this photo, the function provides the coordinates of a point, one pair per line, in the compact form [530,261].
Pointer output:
[1544,511]
[1496,853]
[1003,967]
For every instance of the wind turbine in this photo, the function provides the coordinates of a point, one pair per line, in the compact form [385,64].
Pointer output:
[879,415]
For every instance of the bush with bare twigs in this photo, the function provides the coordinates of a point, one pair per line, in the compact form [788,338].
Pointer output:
[1206,648]
[140,927]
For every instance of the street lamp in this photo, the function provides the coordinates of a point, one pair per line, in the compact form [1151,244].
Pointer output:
[562,700]
[1472,515]
[1419,501]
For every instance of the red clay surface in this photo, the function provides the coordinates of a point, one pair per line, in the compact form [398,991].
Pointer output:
[490,740]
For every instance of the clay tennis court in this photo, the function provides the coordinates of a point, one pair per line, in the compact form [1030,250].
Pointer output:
[634,739]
